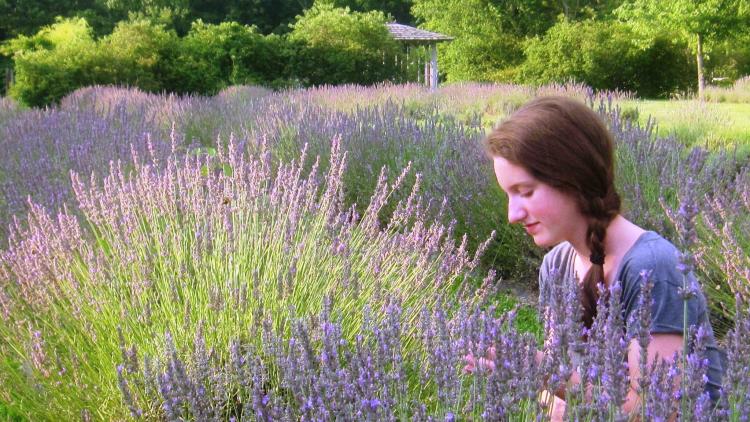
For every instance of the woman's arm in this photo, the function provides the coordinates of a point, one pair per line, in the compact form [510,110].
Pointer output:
[662,346]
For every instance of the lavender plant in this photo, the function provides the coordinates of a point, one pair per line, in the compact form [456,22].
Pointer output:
[387,125]
[739,92]
[8,109]
[219,243]
[317,373]
[45,145]
[48,144]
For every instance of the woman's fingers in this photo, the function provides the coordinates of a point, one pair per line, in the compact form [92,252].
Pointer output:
[471,364]
[491,355]
[486,363]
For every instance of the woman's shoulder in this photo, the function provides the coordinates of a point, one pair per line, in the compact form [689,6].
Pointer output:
[653,253]
[558,262]
[652,248]
[559,256]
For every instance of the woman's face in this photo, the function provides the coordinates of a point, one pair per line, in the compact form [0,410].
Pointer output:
[549,215]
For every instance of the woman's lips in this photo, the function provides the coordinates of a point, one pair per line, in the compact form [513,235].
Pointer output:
[531,228]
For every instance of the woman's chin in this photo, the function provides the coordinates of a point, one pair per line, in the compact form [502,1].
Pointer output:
[542,242]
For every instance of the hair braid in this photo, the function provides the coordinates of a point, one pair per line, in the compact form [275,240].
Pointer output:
[601,212]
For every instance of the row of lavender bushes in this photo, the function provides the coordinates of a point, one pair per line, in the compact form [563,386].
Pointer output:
[92,127]
[318,373]
[373,129]
[214,288]
[439,132]
[739,92]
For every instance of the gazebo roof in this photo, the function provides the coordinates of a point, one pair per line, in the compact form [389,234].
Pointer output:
[411,34]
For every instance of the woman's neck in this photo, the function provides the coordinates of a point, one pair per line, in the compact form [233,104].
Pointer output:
[620,237]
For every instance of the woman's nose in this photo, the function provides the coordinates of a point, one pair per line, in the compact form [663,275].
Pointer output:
[516,212]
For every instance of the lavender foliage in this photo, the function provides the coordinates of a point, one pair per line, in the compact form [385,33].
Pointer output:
[194,179]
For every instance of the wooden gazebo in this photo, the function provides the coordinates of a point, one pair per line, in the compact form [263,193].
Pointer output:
[412,36]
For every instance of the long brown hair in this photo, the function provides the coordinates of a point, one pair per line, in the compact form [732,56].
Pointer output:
[563,143]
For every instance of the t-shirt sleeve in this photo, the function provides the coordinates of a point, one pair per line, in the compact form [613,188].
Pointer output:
[553,262]
[667,307]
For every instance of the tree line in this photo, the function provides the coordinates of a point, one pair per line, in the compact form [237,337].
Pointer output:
[650,47]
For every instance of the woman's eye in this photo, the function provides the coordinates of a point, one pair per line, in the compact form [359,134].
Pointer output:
[526,194]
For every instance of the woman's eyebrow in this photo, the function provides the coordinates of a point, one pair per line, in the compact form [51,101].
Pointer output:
[520,185]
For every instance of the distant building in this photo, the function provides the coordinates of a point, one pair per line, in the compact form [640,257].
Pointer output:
[412,36]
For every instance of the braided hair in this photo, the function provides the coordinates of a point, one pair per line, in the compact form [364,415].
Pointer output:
[563,143]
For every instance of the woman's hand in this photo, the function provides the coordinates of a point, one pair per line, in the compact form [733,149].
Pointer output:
[486,363]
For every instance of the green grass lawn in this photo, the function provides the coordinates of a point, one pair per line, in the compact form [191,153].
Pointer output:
[712,125]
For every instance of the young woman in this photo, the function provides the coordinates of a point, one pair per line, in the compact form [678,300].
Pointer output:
[553,158]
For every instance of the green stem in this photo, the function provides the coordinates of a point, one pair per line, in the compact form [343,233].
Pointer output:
[683,357]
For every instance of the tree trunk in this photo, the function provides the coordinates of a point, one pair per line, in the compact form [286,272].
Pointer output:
[699,60]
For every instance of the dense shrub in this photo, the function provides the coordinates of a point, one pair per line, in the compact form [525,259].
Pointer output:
[478,57]
[50,64]
[213,57]
[604,55]
[340,46]
[139,53]
[487,38]
[327,46]
[135,54]
[64,57]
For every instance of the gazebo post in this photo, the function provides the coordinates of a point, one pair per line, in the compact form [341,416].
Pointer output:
[419,69]
[427,73]
[433,66]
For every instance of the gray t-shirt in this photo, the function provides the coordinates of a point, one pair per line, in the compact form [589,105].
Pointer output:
[650,252]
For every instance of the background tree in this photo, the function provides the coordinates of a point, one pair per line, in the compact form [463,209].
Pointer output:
[603,55]
[731,58]
[483,47]
[701,22]
[48,65]
[212,57]
[269,16]
[26,17]
[337,45]
[172,14]
[399,10]
[489,34]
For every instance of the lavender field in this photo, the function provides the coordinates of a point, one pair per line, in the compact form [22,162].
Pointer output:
[329,253]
